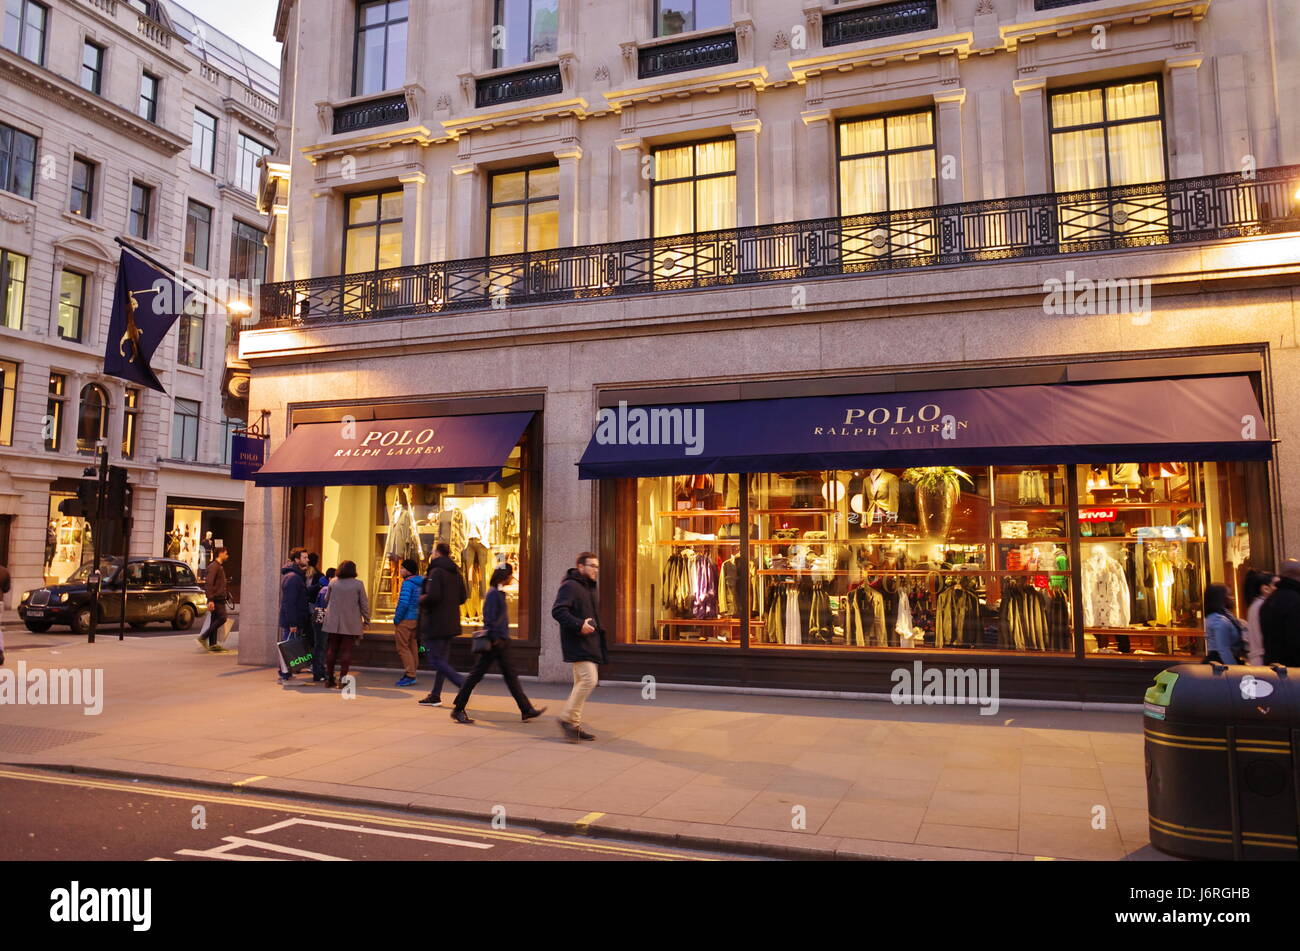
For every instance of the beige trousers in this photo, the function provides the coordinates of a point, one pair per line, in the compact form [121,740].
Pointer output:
[408,646]
[584,682]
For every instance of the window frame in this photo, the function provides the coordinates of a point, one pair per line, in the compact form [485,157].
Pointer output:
[498,7]
[657,19]
[193,261]
[230,426]
[152,113]
[8,399]
[186,432]
[525,202]
[1106,124]
[359,32]
[6,282]
[841,158]
[88,193]
[79,307]
[185,340]
[259,256]
[23,26]
[240,154]
[376,225]
[106,412]
[9,177]
[56,402]
[693,178]
[145,215]
[130,421]
[197,128]
[97,84]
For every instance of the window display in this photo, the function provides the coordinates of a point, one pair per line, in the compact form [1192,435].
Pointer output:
[68,541]
[981,558]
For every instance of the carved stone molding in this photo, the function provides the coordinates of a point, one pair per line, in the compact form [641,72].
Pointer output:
[17,218]
[601,74]
[781,41]
[324,112]
[629,52]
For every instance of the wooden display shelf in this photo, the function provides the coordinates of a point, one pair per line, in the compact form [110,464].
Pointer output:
[914,572]
[793,511]
[1140,506]
[700,513]
[699,541]
[707,622]
[1179,632]
[1030,540]
[1030,507]
[1102,539]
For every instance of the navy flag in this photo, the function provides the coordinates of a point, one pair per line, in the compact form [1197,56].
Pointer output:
[147,302]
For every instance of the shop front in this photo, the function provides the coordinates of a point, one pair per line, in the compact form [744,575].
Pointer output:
[1061,532]
[378,489]
[196,527]
[69,539]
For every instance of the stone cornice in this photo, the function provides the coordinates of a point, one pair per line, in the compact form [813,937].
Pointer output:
[575,106]
[389,137]
[878,53]
[674,87]
[43,82]
[139,39]
[249,116]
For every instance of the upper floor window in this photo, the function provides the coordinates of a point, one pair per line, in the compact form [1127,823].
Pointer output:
[203,141]
[17,160]
[229,427]
[82,199]
[147,108]
[92,421]
[198,234]
[8,396]
[72,302]
[694,188]
[24,31]
[130,422]
[13,282]
[138,219]
[92,67]
[185,430]
[189,341]
[246,159]
[524,210]
[686,16]
[1107,135]
[887,163]
[523,30]
[381,47]
[57,396]
[374,232]
[247,252]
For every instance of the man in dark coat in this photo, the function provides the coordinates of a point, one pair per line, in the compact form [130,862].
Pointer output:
[218,592]
[1279,618]
[582,639]
[444,593]
[295,614]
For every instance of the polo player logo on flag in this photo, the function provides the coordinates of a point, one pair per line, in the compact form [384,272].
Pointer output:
[147,302]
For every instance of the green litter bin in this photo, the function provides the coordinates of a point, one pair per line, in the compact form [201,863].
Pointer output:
[1222,760]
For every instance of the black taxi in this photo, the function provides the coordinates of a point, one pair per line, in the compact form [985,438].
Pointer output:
[158,591]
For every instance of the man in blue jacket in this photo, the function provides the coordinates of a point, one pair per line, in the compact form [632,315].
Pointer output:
[295,613]
[405,619]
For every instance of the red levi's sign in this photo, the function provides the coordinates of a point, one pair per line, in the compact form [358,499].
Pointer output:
[1096,515]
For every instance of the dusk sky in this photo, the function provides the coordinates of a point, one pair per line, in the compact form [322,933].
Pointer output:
[251,22]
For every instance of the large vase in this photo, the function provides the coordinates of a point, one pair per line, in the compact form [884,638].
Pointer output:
[935,506]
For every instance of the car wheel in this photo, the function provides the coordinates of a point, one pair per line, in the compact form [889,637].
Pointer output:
[184,618]
[81,621]
[38,627]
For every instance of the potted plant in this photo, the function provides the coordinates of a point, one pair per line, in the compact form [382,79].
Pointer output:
[937,490]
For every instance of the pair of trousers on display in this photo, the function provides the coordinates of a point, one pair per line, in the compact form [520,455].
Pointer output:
[436,650]
[585,678]
[408,646]
[499,655]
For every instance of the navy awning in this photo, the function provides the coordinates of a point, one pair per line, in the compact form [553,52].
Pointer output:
[385,451]
[1192,419]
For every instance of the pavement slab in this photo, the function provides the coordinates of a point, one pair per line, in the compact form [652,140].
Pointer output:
[788,777]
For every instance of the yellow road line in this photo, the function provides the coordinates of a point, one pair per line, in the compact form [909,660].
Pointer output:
[338,813]
[584,824]
[250,779]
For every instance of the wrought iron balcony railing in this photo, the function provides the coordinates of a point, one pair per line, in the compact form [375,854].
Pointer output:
[528,84]
[688,54]
[888,19]
[1192,209]
[369,114]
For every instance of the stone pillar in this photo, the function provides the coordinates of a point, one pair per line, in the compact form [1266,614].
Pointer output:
[1185,116]
[414,250]
[1033,133]
[463,245]
[747,171]
[951,171]
[820,182]
[570,212]
[322,261]
[632,188]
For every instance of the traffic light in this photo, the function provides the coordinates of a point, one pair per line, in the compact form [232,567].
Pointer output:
[118,501]
[84,505]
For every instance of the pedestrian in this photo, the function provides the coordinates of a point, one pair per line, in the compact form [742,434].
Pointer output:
[1279,618]
[443,594]
[295,614]
[218,592]
[1255,591]
[406,620]
[1223,641]
[318,641]
[5,584]
[582,639]
[496,622]
[346,617]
